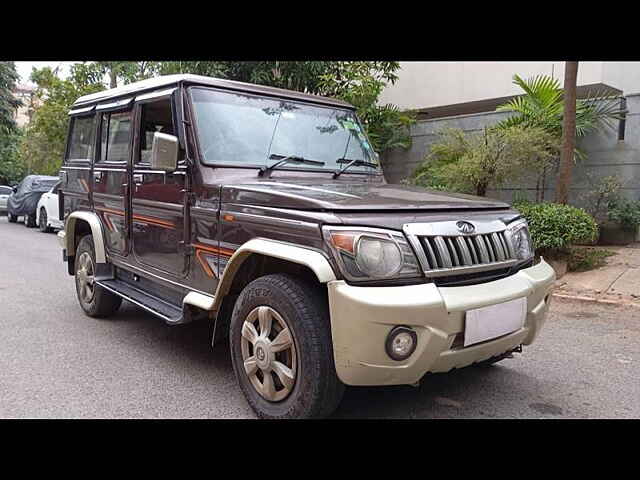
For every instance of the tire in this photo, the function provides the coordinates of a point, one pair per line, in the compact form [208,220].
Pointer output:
[42,222]
[96,301]
[30,220]
[12,218]
[315,390]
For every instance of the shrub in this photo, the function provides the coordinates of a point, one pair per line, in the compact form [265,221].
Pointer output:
[626,213]
[582,259]
[555,227]
[473,162]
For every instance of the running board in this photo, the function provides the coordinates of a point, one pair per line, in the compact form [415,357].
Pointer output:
[169,312]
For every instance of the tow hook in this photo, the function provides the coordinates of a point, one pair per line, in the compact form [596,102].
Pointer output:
[518,349]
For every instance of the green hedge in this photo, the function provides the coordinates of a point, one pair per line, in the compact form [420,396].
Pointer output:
[556,227]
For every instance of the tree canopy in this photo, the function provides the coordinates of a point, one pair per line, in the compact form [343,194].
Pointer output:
[359,83]
[10,165]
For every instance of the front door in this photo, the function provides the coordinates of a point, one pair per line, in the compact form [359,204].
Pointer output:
[110,175]
[157,197]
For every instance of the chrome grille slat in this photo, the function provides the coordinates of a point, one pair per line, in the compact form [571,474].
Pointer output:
[484,255]
[444,252]
[431,256]
[453,252]
[464,248]
[489,247]
[498,247]
[475,258]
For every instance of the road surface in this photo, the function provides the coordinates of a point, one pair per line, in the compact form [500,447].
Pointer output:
[57,363]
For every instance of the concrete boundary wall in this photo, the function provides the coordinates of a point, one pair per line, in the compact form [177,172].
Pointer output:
[605,155]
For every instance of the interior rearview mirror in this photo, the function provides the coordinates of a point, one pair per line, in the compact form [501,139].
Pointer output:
[164,152]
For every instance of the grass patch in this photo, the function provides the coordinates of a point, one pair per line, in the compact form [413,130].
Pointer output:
[583,259]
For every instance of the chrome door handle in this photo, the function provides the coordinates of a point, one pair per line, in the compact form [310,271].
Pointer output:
[138,178]
[97,177]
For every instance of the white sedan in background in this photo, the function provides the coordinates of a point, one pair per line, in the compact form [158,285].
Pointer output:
[4,195]
[47,217]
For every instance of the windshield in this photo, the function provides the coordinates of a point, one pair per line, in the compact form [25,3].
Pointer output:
[245,129]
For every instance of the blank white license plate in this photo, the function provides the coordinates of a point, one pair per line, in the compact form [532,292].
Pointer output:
[494,321]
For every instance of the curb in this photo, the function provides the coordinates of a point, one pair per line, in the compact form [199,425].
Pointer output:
[596,300]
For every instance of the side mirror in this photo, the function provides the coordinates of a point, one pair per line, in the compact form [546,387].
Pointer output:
[15,189]
[164,152]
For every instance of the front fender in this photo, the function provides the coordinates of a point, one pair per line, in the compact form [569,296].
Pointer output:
[312,259]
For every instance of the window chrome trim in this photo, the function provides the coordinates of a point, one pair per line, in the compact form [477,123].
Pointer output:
[81,111]
[155,95]
[103,107]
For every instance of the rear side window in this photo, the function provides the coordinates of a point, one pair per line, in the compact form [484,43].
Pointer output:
[5,190]
[156,117]
[115,137]
[82,138]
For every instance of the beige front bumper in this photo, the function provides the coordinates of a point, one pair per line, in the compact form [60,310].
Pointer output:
[362,317]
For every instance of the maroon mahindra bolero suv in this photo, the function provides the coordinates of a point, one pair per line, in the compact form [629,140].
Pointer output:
[265,211]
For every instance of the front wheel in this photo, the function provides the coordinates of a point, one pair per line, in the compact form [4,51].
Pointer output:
[42,222]
[281,349]
[12,218]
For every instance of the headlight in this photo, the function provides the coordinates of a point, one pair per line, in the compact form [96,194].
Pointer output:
[371,253]
[521,240]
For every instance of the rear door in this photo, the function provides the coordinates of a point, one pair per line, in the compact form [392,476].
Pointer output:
[110,175]
[157,197]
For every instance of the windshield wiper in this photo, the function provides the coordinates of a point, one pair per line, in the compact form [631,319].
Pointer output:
[266,171]
[350,163]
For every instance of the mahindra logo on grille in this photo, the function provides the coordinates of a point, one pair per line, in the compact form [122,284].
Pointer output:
[465,227]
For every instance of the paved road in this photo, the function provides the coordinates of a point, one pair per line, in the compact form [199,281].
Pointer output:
[57,363]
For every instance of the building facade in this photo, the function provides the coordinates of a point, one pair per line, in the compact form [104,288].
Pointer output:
[26,94]
[475,89]
[425,85]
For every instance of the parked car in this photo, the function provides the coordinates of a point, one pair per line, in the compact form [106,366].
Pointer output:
[265,211]
[24,200]
[4,195]
[47,217]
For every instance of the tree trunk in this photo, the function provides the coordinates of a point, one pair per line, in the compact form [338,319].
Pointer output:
[113,77]
[481,189]
[568,132]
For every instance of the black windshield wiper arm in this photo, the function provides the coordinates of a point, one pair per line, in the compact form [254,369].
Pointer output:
[266,171]
[350,163]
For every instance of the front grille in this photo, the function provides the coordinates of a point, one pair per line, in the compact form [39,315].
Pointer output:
[459,251]
[443,251]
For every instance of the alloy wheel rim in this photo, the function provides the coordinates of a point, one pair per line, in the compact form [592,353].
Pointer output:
[86,278]
[43,220]
[269,353]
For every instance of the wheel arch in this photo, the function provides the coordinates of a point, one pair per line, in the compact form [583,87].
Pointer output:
[77,225]
[259,257]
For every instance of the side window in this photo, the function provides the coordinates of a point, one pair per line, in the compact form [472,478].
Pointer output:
[155,117]
[115,136]
[82,138]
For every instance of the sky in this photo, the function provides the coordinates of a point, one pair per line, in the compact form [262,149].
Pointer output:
[24,69]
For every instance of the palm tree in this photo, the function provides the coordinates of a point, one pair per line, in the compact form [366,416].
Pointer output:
[542,105]
[568,132]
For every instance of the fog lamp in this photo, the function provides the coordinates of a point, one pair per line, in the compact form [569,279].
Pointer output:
[401,343]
